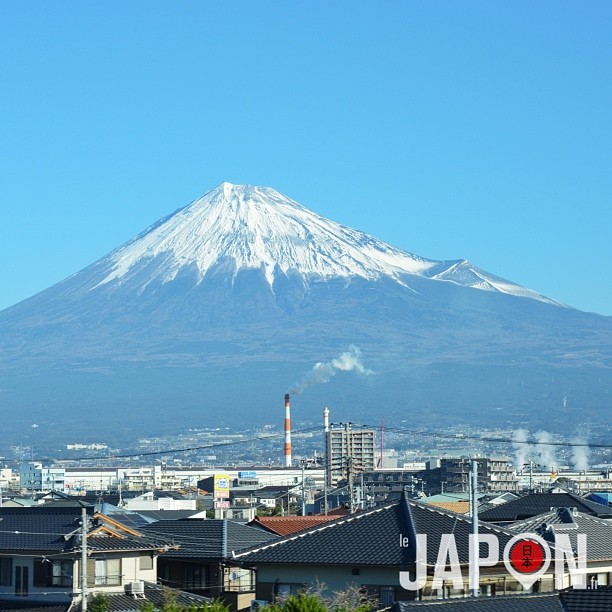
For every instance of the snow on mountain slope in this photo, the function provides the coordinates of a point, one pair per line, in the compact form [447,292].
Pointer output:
[248,227]
[464,273]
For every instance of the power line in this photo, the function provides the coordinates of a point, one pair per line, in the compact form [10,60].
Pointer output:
[478,438]
[457,437]
[171,450]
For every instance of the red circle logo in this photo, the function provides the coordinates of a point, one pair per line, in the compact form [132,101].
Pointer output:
[527,556]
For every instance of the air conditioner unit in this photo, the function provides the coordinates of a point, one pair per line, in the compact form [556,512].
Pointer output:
[135,588]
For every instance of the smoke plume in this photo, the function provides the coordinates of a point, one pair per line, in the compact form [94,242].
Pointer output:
[580,454]
[521,448]
[324,372]
[546,453]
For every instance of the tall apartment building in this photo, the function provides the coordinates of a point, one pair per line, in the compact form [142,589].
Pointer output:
[348,451]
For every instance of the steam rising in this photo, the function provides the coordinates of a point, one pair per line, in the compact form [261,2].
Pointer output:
[580,454]
[324,372]
[543,452]
[519,443]
[546,453]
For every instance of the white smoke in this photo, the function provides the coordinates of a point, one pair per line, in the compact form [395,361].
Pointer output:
[580,454]
[546,453]
[324,372]
[521,448]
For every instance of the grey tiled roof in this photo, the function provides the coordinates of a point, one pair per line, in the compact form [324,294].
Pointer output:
[164,515]
[210,539]
[38,528]
[110,543]
[538,503]
[373,538]
[154,593]
[31,606]
[53,529]
[587,600]
[570,522]
[545,602]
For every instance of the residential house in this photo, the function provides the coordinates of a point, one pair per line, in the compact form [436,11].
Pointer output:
[41,552]
[368,550]
[199,559]
[276,495]
[569,522]
[532,504]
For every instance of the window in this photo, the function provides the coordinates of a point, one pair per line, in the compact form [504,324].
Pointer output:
[195,577]
[239,579]
[146,562]
[61,573]
[22,580]
[104,572]
[53,573]
[387,596]
[6,571]
[284,590]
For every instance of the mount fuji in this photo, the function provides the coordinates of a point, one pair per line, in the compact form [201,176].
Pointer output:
[212,313]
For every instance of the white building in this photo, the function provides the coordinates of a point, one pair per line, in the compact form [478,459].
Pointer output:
[35,477]
[349,452]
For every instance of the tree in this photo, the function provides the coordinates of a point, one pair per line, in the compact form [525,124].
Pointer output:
[351,599]
[99,603]
[170,605]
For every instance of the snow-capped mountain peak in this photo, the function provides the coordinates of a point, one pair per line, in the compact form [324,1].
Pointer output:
[248,227]
[259,228]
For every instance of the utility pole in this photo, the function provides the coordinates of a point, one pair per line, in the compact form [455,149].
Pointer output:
[303,490]
[351,484]
[474,568]
[84,559]
[325,487]
[327,457]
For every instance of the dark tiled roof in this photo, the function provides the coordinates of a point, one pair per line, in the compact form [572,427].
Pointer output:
[373,538]
[208,539]
[111,543]
[30,606]
[538,503]
[435,522]
[44,528]
[53,529]
[164,515]
[545,602]
[587,600]
[570,522]
[154,593]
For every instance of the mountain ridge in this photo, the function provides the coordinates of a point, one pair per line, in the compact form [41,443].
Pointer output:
[163,331]
[249,227]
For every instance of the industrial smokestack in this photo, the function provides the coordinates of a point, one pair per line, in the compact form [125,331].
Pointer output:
[288,461]
[326,418]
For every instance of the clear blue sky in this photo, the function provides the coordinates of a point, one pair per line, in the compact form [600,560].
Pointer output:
[476,130]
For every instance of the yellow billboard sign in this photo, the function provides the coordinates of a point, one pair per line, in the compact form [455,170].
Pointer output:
[222,486]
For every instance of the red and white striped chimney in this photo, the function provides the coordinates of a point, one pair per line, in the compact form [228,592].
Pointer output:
[288,461]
